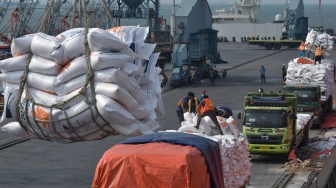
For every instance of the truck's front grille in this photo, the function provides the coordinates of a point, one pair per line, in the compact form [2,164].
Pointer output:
[264,139]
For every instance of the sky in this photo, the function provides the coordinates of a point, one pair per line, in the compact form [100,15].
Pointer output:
[230,2]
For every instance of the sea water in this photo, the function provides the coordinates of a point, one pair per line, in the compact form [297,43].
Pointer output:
[267,14]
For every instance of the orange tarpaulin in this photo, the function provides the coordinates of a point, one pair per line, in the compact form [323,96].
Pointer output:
[151,165]
[302,60]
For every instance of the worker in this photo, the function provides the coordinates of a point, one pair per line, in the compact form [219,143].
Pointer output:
[189,77]
[182,106]
[262,74]
[202,95]
[212,77]
[224,111]
[284,72]
[302,48]
[318,54]
[206,108]
[192,104]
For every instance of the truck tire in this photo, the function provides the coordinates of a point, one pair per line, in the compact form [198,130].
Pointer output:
[305,139]
[277,46]
[268,46]
[329,104]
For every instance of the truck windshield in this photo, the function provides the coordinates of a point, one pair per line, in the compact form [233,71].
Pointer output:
[303,94]
[265,118]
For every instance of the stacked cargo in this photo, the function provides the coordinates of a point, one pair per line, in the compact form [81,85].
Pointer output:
[314,39]
[64,95]
[233,146]
[320,74]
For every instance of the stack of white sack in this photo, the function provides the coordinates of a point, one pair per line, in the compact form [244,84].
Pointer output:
[314,39]
[126,86]
[301,121]
[233,145]
[319,74]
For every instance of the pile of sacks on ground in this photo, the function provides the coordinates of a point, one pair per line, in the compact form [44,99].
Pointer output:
[314,39]
[301,121]
[126,85]
[233,145]
[319,74]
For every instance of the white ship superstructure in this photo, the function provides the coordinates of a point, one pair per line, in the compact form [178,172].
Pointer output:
[244,12]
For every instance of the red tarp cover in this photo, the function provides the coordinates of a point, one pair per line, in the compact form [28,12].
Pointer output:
[151,165]
[329,122]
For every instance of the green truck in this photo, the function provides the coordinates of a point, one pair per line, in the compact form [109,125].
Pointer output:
[269,123]
[309,101]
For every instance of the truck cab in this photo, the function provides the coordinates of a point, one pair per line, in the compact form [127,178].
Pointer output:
[308,100]
[269,123]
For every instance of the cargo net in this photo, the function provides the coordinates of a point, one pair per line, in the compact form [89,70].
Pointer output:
[314,39]
[83,84]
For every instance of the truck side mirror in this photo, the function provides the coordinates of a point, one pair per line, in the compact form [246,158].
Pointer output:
[239,115]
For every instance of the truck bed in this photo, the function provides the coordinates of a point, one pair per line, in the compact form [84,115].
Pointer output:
[275,44]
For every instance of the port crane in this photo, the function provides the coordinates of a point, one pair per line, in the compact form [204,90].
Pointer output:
[18,23]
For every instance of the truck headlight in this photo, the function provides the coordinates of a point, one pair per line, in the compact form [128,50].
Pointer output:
[284,147]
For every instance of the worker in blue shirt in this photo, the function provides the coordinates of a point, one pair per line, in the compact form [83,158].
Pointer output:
[224,111]
[182,106]
[262,74]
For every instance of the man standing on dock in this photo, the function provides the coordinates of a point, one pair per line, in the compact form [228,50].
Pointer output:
[262,74]
[284,72]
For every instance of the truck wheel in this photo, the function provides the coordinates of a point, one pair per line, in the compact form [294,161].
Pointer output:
[277,46]
[330,104]
[305,139]
[268,46]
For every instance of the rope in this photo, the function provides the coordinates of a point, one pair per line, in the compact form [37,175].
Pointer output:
[90,75]
[73,14]
[109,13]
[46,15]
[21,87]
[42,133]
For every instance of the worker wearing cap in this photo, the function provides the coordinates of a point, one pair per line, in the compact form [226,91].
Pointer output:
[202,95]
[182,106]
[224,111]
[318,54]
[206,108]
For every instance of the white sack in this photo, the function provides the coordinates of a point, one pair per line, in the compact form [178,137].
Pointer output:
[113,112]
[15,129]
[103,60]
[125,33]
[101,40]
[13,64]
[44,66]
[44,45]
[132,69]
[21,45]
[78,66]
[10,98]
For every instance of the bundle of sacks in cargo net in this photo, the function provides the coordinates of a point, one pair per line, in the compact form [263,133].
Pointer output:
[314,39]
[233,145]
[301,121]
[72,92]
[319,74]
